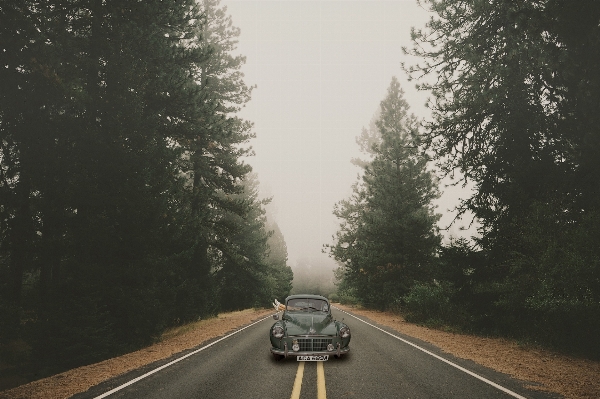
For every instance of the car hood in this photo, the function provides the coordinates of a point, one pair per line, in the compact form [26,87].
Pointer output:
[301,324]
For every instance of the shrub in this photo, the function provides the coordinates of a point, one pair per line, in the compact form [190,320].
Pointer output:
[428,302]
[346,299]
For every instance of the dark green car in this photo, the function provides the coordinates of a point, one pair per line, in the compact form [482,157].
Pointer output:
[308,331]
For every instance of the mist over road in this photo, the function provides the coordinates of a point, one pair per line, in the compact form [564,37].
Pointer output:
[378,366]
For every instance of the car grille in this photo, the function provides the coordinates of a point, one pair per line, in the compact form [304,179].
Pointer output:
[313,344]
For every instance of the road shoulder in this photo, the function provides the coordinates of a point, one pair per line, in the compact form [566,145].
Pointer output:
[69,383]
[545,370]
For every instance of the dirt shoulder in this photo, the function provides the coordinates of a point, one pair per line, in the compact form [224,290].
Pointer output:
[567,376]
[69,383]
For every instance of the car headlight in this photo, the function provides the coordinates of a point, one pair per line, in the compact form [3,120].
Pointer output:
[277,331]
[345,332]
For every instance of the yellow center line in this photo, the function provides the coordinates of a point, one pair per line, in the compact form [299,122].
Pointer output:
[321,391]
[298,381]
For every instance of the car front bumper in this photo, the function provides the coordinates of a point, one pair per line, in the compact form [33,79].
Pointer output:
[288,352]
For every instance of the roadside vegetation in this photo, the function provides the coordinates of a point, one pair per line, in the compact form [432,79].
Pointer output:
[515,101]
[125,205]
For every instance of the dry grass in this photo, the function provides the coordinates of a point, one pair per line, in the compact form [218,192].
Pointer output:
[173,341]
[568,376]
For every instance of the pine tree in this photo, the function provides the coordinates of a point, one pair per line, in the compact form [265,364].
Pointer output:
[213,144]
[243,272]
[388,238]
[121,175]
[515,109]
[280,274]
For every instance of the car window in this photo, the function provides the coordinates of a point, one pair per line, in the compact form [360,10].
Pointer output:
[307,305]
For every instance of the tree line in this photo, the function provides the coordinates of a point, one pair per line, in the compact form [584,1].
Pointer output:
[313,276]
[126,206]
[515,104]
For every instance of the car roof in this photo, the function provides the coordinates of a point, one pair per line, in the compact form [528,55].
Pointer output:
[306,296]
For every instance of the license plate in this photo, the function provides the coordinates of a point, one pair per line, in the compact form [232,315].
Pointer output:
[322,358]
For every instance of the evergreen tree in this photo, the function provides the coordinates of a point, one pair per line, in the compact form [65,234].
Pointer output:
[515,108]
[388,238]
[119,154]
[243,271]
[280,274]
[368,141]
[251,254]
[214,145]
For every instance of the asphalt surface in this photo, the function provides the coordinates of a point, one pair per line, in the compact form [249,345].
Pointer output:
[378,366]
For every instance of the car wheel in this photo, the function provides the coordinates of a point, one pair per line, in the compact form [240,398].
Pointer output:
[278,357]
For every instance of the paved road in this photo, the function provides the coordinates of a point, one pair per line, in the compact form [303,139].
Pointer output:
[379,365]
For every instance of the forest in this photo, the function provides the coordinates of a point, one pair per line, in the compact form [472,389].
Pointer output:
[515,106]
[126,205]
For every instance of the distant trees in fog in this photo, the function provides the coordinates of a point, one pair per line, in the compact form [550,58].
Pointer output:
[312,276]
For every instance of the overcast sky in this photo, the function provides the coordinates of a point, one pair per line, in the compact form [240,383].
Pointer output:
[322,67]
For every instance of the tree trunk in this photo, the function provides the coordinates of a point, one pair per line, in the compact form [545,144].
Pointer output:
[21,230]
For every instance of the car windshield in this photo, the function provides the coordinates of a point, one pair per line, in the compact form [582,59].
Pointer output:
[307,305]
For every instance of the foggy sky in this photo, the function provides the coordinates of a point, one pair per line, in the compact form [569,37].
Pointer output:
[322,68]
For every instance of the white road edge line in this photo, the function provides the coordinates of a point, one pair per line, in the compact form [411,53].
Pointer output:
[501,388]
[104,395]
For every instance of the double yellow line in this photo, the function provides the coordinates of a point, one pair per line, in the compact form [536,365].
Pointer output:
[321,391]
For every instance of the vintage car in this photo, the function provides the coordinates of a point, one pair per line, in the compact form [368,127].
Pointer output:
[307,330]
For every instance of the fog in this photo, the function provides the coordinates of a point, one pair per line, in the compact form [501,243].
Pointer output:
[321,69]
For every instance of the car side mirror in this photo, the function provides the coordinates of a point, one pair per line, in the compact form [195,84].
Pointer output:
[276,316]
